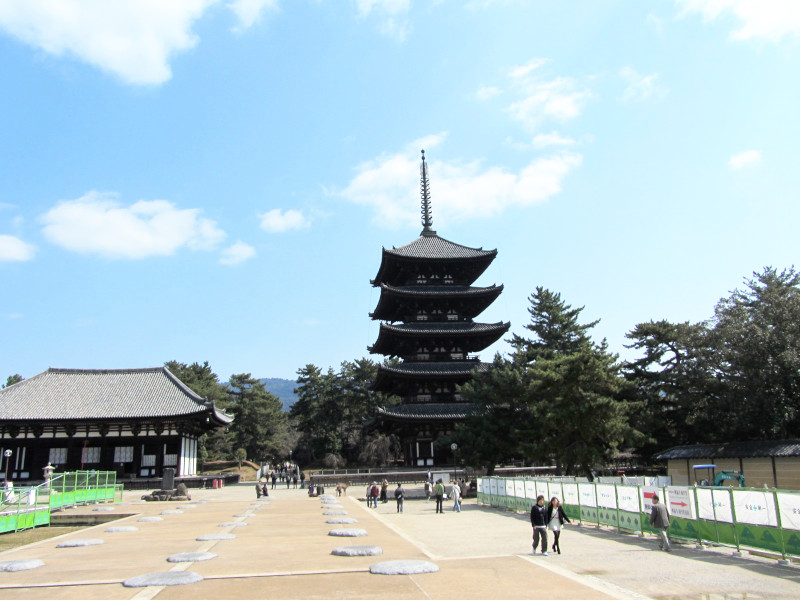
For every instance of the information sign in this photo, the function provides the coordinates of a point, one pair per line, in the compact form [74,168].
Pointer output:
[647,497]
[628,498]
[756,508]
[570,493]
[530,489]
[606,497]
[790,510]
[587,494]
[680,502]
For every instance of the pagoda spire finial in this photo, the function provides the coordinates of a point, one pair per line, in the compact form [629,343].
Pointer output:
[425,193]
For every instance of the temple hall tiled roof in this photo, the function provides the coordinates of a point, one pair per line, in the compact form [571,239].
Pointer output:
[733,450]
[427,412]
[74,394]
[433,246]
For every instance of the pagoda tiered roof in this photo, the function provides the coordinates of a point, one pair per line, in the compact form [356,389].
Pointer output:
[397,263]
[391,376]
[397,301]
[403,339]
[446,411]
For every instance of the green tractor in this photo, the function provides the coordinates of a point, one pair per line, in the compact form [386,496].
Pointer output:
[718,479]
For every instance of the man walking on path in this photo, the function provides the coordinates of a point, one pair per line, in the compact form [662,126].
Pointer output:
[399,495]
[455,492]
[438,492]
[539,524]
[659,519]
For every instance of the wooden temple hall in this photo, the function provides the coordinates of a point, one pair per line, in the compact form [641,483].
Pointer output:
[136,422]
[427,305]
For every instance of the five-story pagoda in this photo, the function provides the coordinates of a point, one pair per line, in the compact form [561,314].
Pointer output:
[426,308]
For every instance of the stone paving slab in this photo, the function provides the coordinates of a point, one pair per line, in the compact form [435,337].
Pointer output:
[285,552]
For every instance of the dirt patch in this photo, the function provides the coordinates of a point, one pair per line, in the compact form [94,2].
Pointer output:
[29,536]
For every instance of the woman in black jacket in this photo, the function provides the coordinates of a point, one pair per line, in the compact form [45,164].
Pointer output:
[555,517]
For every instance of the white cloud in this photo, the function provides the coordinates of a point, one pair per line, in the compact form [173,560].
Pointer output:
[522,71]
[249,12]
[561,98]
[769,19]
[237,253]
[133,39]
[640,87]
[14,249]
[544,140]
[389,185]
[97,224]
[392,15]
[277,221]
[744,159]
[487,92]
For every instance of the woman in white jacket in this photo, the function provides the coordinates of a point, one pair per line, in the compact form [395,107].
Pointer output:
[555,518]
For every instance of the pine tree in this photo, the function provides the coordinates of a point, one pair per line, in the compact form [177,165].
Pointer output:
[260,423]
[574,412]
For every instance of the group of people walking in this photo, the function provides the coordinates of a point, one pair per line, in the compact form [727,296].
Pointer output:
[552,517]
[438,494]
[262,489]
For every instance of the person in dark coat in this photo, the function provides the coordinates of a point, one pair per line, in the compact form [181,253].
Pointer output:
[539,524]
[659,519]
[274,479]
[555,518]
[399,495]
[384,491]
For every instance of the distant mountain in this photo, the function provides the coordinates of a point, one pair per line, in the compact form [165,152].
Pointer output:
[282,388]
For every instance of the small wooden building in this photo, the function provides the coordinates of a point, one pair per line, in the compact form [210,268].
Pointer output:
[771,463]
[136,422]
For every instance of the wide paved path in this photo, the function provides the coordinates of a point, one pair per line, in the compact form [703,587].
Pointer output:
[283,550]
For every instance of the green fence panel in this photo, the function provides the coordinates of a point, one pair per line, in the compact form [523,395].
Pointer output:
[589,513]
[760,536]
[630,521]
[770,538]
[607,516]
[791,540]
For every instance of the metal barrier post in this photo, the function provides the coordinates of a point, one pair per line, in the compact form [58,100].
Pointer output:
[699,545]
[783,560]
[735,523]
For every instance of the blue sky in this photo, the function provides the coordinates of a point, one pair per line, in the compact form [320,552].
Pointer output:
[215,180]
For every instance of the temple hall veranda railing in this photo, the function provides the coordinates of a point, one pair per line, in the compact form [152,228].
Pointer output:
[765,519]
[26,507]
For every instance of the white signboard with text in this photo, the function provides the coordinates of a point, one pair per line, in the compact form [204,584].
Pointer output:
[519,488]
[647,494]
[570,491]
[628,498]
[756,508]
[554,490]
[790,510]
[606,496]
[680,502]
[587,494]
[530,489]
